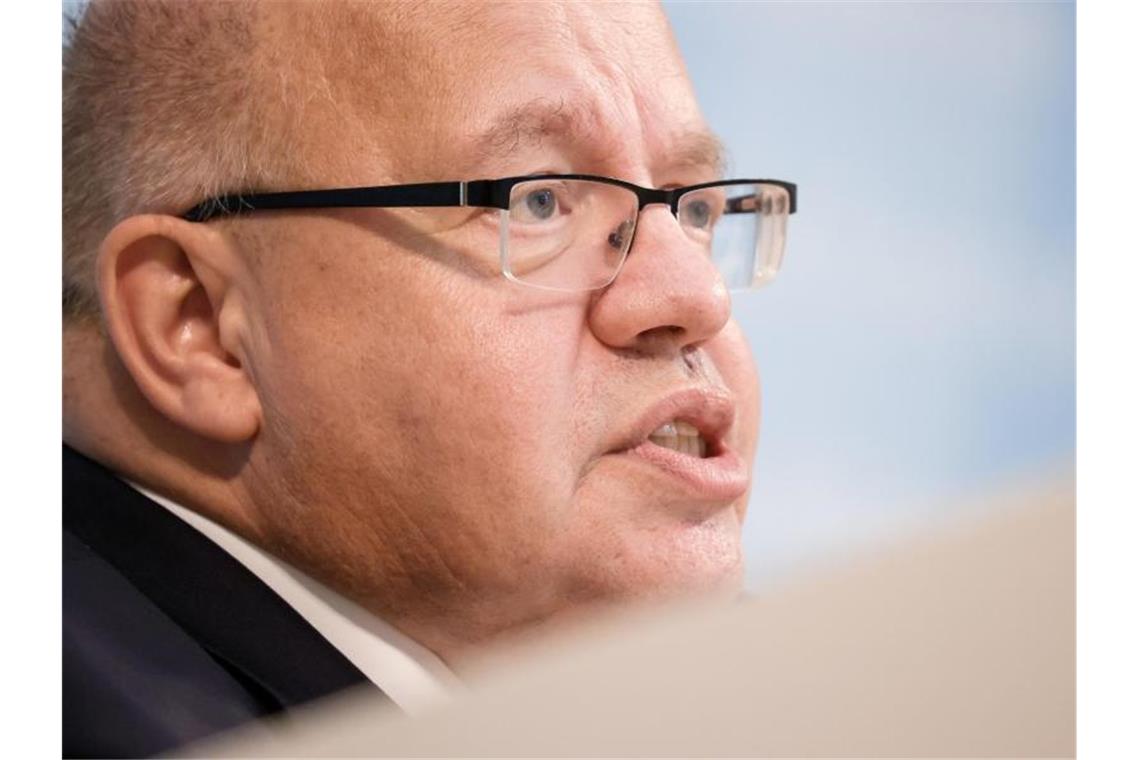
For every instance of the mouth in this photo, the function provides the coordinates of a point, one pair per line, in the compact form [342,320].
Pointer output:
[684,440]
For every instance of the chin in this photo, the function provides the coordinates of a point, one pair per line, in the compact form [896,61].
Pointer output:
[685,560]
[716,570]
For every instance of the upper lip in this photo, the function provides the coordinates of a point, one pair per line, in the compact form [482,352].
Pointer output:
[711,411]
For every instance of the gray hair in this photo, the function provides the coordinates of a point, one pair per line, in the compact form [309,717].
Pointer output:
[160,109]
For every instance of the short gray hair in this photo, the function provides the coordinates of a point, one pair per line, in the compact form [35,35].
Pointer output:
[160,109]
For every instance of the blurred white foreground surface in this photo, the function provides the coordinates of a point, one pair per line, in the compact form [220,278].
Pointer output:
[959,643]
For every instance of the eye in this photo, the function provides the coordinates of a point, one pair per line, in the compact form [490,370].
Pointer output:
[541,203]
[538,204]
[696,213]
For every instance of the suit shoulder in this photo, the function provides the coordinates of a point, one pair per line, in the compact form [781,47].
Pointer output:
[134,682]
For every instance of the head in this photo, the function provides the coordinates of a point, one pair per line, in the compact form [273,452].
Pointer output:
[361,391]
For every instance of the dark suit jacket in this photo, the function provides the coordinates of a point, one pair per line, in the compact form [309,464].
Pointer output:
[166,637]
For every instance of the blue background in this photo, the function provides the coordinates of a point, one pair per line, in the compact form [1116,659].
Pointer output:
[917,349]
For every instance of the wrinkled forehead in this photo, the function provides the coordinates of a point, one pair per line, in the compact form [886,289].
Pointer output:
[441,90]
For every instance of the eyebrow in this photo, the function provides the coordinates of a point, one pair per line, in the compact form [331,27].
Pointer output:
[530,123]
[539,120]
[699,149]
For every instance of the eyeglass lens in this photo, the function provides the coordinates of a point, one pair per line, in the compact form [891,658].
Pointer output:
[573,235]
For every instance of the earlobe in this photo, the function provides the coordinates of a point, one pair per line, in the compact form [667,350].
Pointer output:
[172,310]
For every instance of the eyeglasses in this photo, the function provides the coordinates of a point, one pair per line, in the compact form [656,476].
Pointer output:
[572,232]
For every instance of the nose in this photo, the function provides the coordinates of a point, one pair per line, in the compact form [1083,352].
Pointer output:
[669,296]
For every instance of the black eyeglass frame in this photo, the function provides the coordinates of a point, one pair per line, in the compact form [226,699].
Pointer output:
[481,193]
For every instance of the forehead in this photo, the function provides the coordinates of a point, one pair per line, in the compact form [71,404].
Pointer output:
[444,90]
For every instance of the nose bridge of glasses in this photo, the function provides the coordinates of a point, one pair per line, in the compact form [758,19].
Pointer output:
[626,231]
[648,196]
[672,233]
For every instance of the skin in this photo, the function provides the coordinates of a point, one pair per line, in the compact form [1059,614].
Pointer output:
[364,395]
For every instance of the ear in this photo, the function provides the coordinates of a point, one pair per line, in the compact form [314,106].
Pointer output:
[167,287]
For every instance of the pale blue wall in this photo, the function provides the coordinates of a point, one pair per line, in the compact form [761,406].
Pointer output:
[919,344]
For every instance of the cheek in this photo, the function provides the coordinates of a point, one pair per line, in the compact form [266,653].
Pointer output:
[488,413]
[435,402]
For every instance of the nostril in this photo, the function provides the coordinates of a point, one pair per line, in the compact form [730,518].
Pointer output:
[660,340]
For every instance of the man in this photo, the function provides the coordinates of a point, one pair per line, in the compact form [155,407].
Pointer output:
[318,438]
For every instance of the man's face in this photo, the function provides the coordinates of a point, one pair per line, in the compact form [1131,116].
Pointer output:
[464,454]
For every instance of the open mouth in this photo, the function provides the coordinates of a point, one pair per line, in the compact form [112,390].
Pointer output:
[685,437]
[682,437]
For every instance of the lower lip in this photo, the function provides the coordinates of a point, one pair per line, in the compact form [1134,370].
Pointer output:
[721,477]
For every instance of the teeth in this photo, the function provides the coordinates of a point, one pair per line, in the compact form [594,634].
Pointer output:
[684,428]
[682,437]
[676,427]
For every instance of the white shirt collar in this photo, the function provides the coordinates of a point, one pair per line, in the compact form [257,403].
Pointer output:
[411,675]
